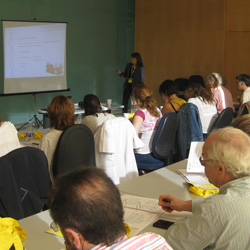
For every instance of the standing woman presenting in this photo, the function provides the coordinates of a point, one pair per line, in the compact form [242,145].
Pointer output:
[134,74]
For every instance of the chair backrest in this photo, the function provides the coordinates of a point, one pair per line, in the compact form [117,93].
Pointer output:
[76,147]
[224,119]
[164,139]
[244,109]
[197,79]
[182,83]
[189,128]
[24,181]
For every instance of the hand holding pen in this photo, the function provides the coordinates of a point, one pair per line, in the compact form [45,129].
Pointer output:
[170,203]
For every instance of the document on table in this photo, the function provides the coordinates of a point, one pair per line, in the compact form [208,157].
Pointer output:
[197,180]
[194,165]
[141,203]
[142,211]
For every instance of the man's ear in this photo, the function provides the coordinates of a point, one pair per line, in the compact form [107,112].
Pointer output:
[222,170]
[73,237]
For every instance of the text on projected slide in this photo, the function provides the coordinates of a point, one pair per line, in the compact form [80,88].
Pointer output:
[35,51]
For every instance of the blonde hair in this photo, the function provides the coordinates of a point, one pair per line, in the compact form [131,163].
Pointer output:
[231,148]
[144,94]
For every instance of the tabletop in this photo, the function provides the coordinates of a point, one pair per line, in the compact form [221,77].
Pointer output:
[163,181]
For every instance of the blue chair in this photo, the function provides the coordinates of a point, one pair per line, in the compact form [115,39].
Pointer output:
[224,119]
[163,144]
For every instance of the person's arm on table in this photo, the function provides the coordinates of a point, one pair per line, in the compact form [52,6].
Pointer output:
[170,203]
[193,232]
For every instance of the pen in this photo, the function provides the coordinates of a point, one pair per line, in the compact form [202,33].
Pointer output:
[34,143]
[167,201]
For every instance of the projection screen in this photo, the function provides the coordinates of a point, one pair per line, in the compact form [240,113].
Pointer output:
[34,57]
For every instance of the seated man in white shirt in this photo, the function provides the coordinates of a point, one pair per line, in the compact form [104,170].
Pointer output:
[243,84]
[221,221]
[88,209]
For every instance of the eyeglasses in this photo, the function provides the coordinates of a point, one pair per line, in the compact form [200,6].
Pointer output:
[202,160]
[55,227]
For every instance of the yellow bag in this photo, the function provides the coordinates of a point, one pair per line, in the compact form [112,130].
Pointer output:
[11,233]
[202,192]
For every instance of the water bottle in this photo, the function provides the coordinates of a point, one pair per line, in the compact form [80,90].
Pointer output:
[29,131]
[79,119]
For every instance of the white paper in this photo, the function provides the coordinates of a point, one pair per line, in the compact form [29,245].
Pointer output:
[194,165]
[141,203]
[138,220]
[141,211]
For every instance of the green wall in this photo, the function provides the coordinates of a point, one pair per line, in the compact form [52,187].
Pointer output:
[100,39]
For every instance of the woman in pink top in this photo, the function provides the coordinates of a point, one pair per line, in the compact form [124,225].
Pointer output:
[221,95]
[145,121]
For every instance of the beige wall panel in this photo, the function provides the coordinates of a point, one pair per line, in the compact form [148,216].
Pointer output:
[237,17]
[237,57]
[179,38]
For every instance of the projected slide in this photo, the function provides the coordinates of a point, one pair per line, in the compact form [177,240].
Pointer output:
[34,51]
[34,56]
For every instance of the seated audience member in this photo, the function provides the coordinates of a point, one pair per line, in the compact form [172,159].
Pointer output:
[243,84]
[242,123]
[145,121]
[221,95]
[92,218]
[94,117]
[221,221]
[169,92]
[61,114]
[8,138]
[199,96]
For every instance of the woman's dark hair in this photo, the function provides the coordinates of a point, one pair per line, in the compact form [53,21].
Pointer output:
[92,105]
[1,121]
[196,90]
[61,112]
[144,94]
[168,88]
[137,56]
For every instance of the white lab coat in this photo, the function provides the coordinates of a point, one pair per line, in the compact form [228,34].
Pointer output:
[115,141]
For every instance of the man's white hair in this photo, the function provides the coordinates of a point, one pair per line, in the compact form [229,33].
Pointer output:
[218,77]
[231,147]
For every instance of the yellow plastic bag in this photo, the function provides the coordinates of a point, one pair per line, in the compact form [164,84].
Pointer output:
[128,229]
[11,233]
[202,192]
[38,135]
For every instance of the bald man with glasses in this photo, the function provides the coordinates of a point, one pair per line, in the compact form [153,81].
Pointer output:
[221,221]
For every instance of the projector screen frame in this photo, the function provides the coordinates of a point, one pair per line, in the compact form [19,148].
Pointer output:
[40,87]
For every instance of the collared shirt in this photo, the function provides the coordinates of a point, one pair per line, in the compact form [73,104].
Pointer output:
[221,221]
[246,95]
[146,241]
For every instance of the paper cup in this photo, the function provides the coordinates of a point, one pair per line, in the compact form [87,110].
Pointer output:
[126,115]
